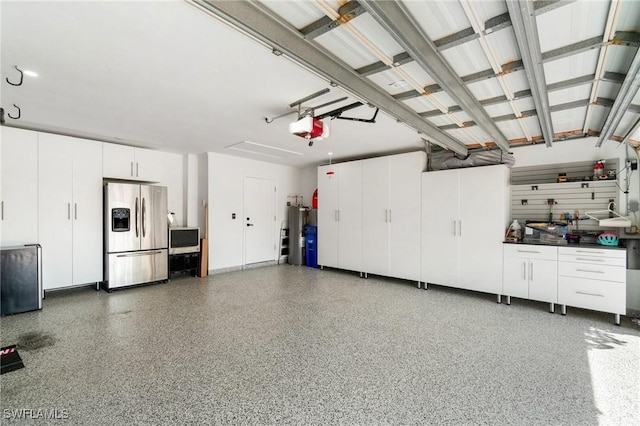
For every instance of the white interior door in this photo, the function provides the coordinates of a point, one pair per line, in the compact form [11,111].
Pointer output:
[327,216]
[259,218]
[375,216]
[350,216]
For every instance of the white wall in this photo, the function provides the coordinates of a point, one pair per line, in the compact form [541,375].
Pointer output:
[309,183]
[172,178]
[203,192]
[190,185]
[225,194]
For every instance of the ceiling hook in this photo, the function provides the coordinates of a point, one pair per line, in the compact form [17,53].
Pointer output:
[11,116]
[21,77]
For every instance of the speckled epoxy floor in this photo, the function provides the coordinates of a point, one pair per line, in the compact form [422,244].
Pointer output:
[293,345]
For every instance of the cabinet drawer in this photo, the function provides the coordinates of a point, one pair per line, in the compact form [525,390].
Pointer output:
[604,252]
[593,272]
[603,296]
[531,251]
[593,260]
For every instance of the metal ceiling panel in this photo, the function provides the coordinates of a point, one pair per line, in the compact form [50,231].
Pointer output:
[345,47]
[416,72]
[390,81]
[438,18]
[628,16]
[512,129]
[504,46]
[462,116]
[571,23]
[443,98]
[532,125]
[467,58]
[517,81]
[525,104]
[619,58]
[608,89]
[297,13]
[374,33]
[464,136]
[571,66]
[568,120]
[488,9]
[486,89]
[570,94]
[498,110]
[440,120]
[419,104]
[627,122]
[598,116]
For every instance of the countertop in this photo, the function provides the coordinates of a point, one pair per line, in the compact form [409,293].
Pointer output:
[565,244]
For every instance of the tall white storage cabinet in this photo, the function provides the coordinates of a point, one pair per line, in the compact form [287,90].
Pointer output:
[70,210]
[340,216]
[464,217]
[391,215]
[19,186]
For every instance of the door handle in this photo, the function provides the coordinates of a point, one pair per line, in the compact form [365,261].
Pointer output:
[590,270]
[137,229]
[531,271]
[75,210]
[454,228]
[144,218]
[136,169]
[142,253]
[590,260]
[524,270]
[1,210]
[68,211]
[132,168]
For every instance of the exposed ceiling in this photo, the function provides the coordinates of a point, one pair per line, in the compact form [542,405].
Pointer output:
[221,76]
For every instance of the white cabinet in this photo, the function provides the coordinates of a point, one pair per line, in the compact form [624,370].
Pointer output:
[126,162]
[70,210]
[593,279]
[19,187]
[531,272]
[464,216]
[391,215]
[340,215]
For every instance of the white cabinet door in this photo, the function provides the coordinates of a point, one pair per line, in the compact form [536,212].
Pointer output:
[483,219]
[148,165]
[516,277]
[543,280]
[328,216]
[87,212]
[440,254]
[118,161]
[19,187]
[405,177]
[55,216]
[350,215]
[375,216]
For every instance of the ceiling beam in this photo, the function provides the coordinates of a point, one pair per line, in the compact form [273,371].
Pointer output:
[397,21]
[263,24]
[347,12]
[524,26]
[627,92]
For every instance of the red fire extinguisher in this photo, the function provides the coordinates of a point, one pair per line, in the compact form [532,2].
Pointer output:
[314,199]
[598,169]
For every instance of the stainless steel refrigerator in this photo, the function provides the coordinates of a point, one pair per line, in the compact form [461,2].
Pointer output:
[136,234]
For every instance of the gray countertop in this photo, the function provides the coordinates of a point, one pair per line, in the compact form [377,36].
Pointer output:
[565,244]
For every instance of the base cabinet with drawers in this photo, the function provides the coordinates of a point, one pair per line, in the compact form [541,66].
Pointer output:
[593,279]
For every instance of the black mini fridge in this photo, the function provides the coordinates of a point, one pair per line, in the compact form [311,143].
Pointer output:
[21,279]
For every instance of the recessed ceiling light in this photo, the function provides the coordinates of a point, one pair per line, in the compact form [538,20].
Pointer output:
[30,73]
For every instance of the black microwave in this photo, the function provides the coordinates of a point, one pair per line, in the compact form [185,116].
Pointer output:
[184,240]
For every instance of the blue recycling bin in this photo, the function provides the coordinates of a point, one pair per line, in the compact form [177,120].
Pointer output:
[311,246]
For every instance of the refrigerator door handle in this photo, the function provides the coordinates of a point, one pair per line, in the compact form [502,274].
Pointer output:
[140,253]
[144,218]
[137,226]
